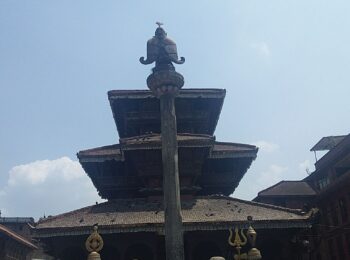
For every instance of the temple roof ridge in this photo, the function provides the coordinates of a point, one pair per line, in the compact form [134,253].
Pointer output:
[200,213]
[188,92]
[115,149]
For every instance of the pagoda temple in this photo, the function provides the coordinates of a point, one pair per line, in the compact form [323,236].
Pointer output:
[129,175]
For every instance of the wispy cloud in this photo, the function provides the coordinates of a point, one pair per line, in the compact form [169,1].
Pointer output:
[265,146]
[271,176]
[306,167]
[262,48]
[47,186]
[38,172]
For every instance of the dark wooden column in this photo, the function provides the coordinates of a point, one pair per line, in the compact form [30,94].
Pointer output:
[166,85]
[172,207]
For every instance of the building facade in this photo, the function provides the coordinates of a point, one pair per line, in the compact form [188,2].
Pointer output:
[289,194]
[327,189]
[14,246]
[331,180]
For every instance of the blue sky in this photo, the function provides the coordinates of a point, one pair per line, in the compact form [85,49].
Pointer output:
[285,66]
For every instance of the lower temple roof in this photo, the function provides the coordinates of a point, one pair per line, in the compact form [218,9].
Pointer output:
[219,150]
[142,215]
[133,168]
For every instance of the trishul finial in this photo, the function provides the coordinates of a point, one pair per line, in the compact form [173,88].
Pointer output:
[159,24]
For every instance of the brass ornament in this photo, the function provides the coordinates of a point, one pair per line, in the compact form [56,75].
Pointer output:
[240,240]
[238,243]
[253,253]
[94,244]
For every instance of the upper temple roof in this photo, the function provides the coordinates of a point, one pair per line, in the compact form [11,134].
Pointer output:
[137,112]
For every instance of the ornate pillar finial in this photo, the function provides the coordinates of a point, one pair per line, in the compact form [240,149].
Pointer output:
[163,51]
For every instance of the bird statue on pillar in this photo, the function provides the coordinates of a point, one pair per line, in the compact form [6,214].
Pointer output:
[161,50]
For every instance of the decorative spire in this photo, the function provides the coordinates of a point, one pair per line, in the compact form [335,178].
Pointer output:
[161,50]
[94,244]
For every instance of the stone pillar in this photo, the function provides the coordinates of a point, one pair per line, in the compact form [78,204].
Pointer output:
[165,85]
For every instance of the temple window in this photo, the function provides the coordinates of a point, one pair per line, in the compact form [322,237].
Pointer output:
[334,215]
[73,253]
[140,252]
[347,239]
[343,209]
[322,183]
[331,249]
[340,248]
[110,253]
[205,250]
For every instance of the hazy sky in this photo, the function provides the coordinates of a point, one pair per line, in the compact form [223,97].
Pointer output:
[285,66]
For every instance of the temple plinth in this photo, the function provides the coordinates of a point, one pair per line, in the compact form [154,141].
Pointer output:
[165,84]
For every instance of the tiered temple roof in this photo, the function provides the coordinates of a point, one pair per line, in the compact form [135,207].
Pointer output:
[129,174]
[133,168]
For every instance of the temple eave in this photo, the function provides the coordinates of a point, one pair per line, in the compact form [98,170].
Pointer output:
[202,213]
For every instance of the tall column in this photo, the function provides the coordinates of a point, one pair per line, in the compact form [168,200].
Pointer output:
[172,207]
[165,85]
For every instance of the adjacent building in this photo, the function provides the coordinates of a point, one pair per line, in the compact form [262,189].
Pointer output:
[20,229]
[331,180]
[20,225]
[327,189]
[289,194]
[14,246]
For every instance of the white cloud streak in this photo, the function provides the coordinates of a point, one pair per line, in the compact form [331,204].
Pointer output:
[46,186]
[262,48]
[306,167]
[267,147]
[271,176]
